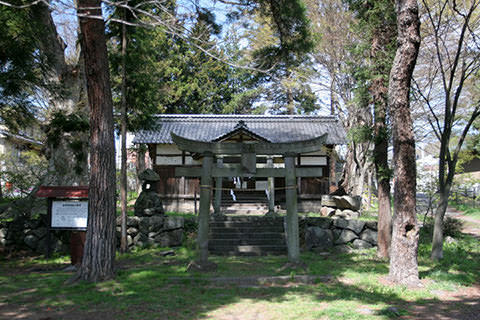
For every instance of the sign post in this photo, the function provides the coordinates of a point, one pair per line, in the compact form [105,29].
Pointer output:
[67,210]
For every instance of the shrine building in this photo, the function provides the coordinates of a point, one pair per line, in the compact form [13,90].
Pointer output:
[181,193]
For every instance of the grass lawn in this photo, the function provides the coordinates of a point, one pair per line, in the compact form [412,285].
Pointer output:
[473,212]
[151,286]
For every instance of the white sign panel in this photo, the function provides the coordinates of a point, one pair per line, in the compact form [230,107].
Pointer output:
[70,214]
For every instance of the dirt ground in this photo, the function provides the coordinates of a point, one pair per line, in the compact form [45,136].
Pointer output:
[463,304]
[460,305]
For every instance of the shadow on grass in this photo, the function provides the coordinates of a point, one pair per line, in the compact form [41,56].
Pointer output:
[144,289]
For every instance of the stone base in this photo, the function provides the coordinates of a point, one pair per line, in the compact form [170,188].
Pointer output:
[294,266]
[202,266]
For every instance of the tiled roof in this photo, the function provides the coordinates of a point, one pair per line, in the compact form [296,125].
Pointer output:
[273,128]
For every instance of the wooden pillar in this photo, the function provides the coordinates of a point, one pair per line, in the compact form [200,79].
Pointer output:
[181,186]
[292,214]
[204,214]
[271,188]
[218,188]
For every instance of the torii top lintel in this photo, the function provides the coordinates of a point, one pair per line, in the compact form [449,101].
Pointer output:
[259,148]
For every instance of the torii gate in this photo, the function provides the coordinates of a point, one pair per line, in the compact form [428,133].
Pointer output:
[248,168]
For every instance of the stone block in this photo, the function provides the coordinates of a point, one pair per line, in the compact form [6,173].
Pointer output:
[31,241]
[340,223]
[172,223]
[316,237]
[133,221]
[132,231]
[350,214]
[170,239]
[136,239]
[353,225]
[40,232]
[342,248]
[450,240]
[55,245]
[151,224]
[3,237]
[327,211]
[347,202]
[360,244]
[142,237]
[336,233]
[144,225]
[156,223]
[369,235]
[328,201]
[339,213]
[323,223]
[152,235]
[371,225]
[346,236]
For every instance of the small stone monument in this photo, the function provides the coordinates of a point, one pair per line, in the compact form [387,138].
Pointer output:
[148,202]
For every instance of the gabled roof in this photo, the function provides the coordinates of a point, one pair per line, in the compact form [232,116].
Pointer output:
[274,129]
[241,129]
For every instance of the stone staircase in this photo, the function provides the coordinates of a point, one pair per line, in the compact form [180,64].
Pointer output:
[247,236]
[252,202]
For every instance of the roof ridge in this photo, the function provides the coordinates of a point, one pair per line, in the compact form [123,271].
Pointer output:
[243,116]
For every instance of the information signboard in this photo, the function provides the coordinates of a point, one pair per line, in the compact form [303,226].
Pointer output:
[69,214]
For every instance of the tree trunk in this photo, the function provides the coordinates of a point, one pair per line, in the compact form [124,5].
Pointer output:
[383,36]
[69,97]
[437,241]
[404,247]
[362,179]
[123,132]
[369,190]
[99,253]
[353,174]
[332,169]
[383,176]
[384,218]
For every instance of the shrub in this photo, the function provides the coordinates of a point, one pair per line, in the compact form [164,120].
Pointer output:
[451,227]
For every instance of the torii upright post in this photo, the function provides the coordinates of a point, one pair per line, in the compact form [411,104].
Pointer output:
[204,213]
[218,189]
[271,188]
[292,215]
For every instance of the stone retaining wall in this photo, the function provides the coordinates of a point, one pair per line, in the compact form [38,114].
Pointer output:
[326,233]
[318,234]
[162,231]
[31,234]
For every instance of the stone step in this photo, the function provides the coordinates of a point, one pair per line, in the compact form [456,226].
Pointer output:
[245,211]
[216,243]
[261,219]
[243,235]
[240,205]
[277,236]
[245,224]
[246,229]
[249,250]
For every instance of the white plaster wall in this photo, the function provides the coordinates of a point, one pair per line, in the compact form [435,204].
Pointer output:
[313,161]
[171,149]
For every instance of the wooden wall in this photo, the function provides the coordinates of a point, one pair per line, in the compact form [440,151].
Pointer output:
[167,157]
